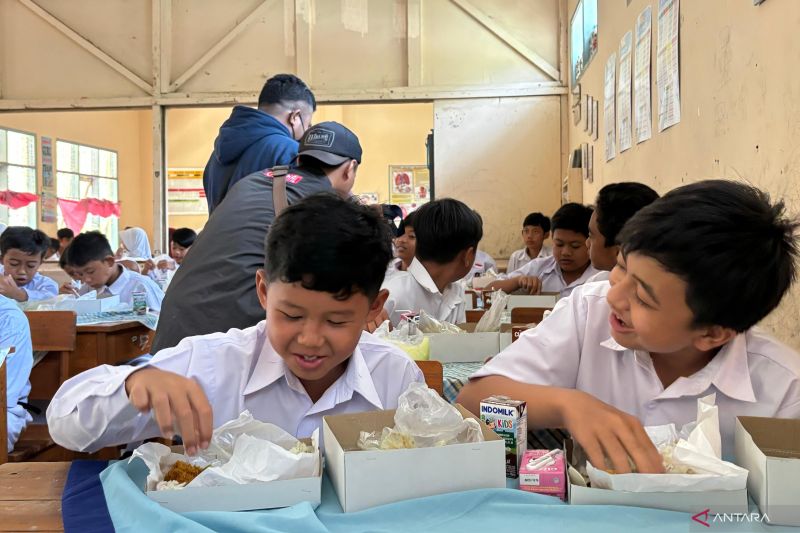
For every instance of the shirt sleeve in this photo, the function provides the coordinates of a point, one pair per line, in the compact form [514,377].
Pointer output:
[548,354]
[91,410]
[14,331]
[528,269]
[41,288]
[154,294]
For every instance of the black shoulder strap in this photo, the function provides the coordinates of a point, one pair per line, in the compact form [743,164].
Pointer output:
[279,200]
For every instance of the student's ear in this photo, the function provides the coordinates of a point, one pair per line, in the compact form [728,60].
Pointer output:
[109,260]
[261,287]
[352,168]
[469,257]
[713,337]
[377,305]
[546,235]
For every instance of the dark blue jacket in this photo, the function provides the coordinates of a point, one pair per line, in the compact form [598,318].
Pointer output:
[249,141]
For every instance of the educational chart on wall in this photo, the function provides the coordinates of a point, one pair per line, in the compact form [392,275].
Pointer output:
[609,114]
[49,207]
[47,164]
[185,193]
[596,119]
[667,65]
[643,117]
[624,92]
[409,186]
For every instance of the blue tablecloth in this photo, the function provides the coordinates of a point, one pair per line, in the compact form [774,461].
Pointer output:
[464,512]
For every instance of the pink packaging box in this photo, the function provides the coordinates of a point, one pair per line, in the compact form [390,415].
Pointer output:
[547,479]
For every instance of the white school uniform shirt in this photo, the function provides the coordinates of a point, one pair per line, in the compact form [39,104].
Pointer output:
[752,375]
[125,285]
[521,258]
[237,370]
[602,275]
[483,262]
[14,331]
[547,270]
[414,290]
[39,287]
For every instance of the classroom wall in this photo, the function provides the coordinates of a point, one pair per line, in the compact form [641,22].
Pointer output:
[127,132]
[740,117]
[501,156]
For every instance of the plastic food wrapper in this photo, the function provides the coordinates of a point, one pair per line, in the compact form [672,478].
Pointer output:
[428,324]
[415,344]
[423,419]
[692,458]
[491,319]
[241,451]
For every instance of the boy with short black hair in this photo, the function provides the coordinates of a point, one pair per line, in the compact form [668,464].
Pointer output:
[535,230]
[698,269]
[65,236]
[569,267]
[325,261]
[22,251]
[448,233]
[405,245]
[92,260]
[615,205]
[182,240]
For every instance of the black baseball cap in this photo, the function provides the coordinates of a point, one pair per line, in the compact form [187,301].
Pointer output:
[331,143]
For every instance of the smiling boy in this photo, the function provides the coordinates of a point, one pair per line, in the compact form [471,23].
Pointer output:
[697,270]
[325,262]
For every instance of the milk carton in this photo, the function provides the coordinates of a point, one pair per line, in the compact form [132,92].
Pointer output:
[508,419]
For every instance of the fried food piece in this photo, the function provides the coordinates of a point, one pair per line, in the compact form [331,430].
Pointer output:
[182,472]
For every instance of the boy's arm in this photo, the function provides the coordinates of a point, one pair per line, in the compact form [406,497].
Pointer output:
[14,331]
[154,295]
[110,405]
[602,430]
[525,277]
[41,288]
[9,289]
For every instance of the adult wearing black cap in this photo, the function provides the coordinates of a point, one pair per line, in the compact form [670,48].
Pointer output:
[214,290]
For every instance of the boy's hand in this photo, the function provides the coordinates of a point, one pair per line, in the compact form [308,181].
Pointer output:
[606,432]
[530,284]
[9,289]
[177,402]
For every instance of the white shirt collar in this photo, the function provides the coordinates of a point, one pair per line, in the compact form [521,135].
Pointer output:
[120,283]
[269,368]
[451,296]
[727,371]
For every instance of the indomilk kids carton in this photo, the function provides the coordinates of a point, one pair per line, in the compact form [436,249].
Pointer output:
[509,419]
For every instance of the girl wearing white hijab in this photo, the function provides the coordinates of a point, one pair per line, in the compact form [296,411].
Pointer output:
[134,246]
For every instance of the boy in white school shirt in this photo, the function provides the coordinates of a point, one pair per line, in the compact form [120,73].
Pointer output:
[569,266]
[325,261]
[535,230]
[15,331]
[614,206]
[22,251]
[448,233]
[92,260]
[698,269]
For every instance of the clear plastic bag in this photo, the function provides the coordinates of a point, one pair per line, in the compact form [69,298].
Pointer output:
[427,324]
[491,319]
[423,419]
[407,337]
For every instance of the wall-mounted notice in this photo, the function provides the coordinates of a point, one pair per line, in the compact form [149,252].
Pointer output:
[643,116]
[624,92]
[609,114]
[667,65]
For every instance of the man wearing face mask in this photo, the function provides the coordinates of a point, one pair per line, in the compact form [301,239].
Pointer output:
[257,139]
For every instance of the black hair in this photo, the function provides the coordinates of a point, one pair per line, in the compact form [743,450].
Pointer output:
[574,217]
[284,89]
[618,202]
[444,228]
[62,260]
[87,247]
[408,221]
[65,233]
[184,237]
[28,240]
[54,244]
[537,219]
[733,248]
[331,245]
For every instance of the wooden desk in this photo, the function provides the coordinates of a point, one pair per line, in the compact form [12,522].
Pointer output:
[30,496]
[102,344]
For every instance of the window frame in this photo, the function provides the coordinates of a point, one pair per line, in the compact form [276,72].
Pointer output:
[35,167]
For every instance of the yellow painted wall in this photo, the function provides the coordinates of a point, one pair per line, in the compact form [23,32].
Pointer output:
[389,134]
[740,112]
[123,131]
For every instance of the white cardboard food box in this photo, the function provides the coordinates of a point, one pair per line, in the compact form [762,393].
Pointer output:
[253,496]
[464,347]
[770,449]
[538,300]
[85,307]
[364,479]
[731,501]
